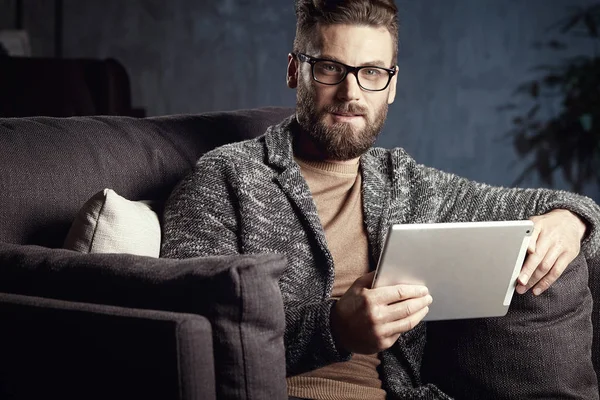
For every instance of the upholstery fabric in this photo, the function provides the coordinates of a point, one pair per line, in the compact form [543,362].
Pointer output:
[540,349]
[51,166]
[136,354]
[232,292]
[109,223]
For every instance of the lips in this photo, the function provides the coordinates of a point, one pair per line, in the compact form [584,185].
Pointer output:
[348,114]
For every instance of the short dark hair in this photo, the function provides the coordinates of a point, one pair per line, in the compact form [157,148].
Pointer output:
[374,13]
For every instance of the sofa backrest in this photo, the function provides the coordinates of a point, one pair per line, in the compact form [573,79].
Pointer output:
[51,166]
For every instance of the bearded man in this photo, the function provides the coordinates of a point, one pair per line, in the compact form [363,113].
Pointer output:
[314,189]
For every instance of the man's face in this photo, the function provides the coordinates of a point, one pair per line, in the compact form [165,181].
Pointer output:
[343,120]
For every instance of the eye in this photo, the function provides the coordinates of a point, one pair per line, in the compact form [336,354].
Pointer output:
[372,72]
[330,68]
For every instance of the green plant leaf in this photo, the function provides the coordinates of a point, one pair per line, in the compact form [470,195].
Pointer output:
[533,111]
[527,88]
[535,126]
[586,121]
[556,45]
[570,139]
[507,107]
[535,90]
[544,67]
[553,80]
[590,24]
[521,143]
[572,21]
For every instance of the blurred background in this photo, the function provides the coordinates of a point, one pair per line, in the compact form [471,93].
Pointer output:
[471,99]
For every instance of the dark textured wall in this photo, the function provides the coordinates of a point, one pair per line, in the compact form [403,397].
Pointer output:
[7,14]
[38,20]
[459,60]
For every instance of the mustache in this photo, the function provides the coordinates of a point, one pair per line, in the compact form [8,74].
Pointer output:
[346,108]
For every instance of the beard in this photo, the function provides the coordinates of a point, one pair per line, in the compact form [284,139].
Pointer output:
[340,141]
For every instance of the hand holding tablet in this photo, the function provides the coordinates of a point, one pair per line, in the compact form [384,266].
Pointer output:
[469,268]
[366,320]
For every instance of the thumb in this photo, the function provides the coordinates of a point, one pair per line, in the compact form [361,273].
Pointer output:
[365,281]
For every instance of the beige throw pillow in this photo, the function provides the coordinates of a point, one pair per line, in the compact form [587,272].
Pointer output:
[109,223]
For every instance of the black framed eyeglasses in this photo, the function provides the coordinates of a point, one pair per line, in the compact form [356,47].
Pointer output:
[328,72]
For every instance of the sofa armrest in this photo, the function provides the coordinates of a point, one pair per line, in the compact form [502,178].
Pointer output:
[239,295]
[541,349]
[68,350]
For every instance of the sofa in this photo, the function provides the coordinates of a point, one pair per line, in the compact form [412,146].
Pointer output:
[77,322]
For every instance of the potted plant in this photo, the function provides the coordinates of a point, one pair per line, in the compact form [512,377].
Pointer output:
[568,141]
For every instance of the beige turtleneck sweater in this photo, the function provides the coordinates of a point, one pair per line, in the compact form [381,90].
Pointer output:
[336,190]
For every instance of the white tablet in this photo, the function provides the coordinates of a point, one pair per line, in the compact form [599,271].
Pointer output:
[470,268]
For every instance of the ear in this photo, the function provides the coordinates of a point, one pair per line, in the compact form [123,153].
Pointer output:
[292,72]
[392,91]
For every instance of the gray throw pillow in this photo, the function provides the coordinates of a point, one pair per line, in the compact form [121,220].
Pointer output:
[541,349]
[238,294]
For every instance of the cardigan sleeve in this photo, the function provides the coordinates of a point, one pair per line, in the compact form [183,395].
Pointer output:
[200,217]
[459,199]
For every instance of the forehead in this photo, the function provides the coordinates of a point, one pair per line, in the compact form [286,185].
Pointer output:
[354,44]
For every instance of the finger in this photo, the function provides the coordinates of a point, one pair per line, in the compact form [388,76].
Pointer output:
[560,265]
[406,308]
[531,263]
[396,293]
[534,237]
[405,324]
[545,265]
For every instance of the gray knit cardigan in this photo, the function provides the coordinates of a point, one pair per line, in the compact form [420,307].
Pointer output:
[250,197]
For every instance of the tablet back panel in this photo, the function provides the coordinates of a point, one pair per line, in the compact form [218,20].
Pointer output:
[470,268]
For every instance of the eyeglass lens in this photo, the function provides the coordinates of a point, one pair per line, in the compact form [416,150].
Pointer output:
[331,73]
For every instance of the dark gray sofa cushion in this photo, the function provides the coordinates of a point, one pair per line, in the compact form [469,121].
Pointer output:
[67,350]
[540,349]
[54,165]
[239,295]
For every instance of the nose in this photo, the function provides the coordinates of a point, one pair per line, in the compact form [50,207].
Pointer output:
[349,89]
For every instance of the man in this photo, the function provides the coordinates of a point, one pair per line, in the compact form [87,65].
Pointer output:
[313,189]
